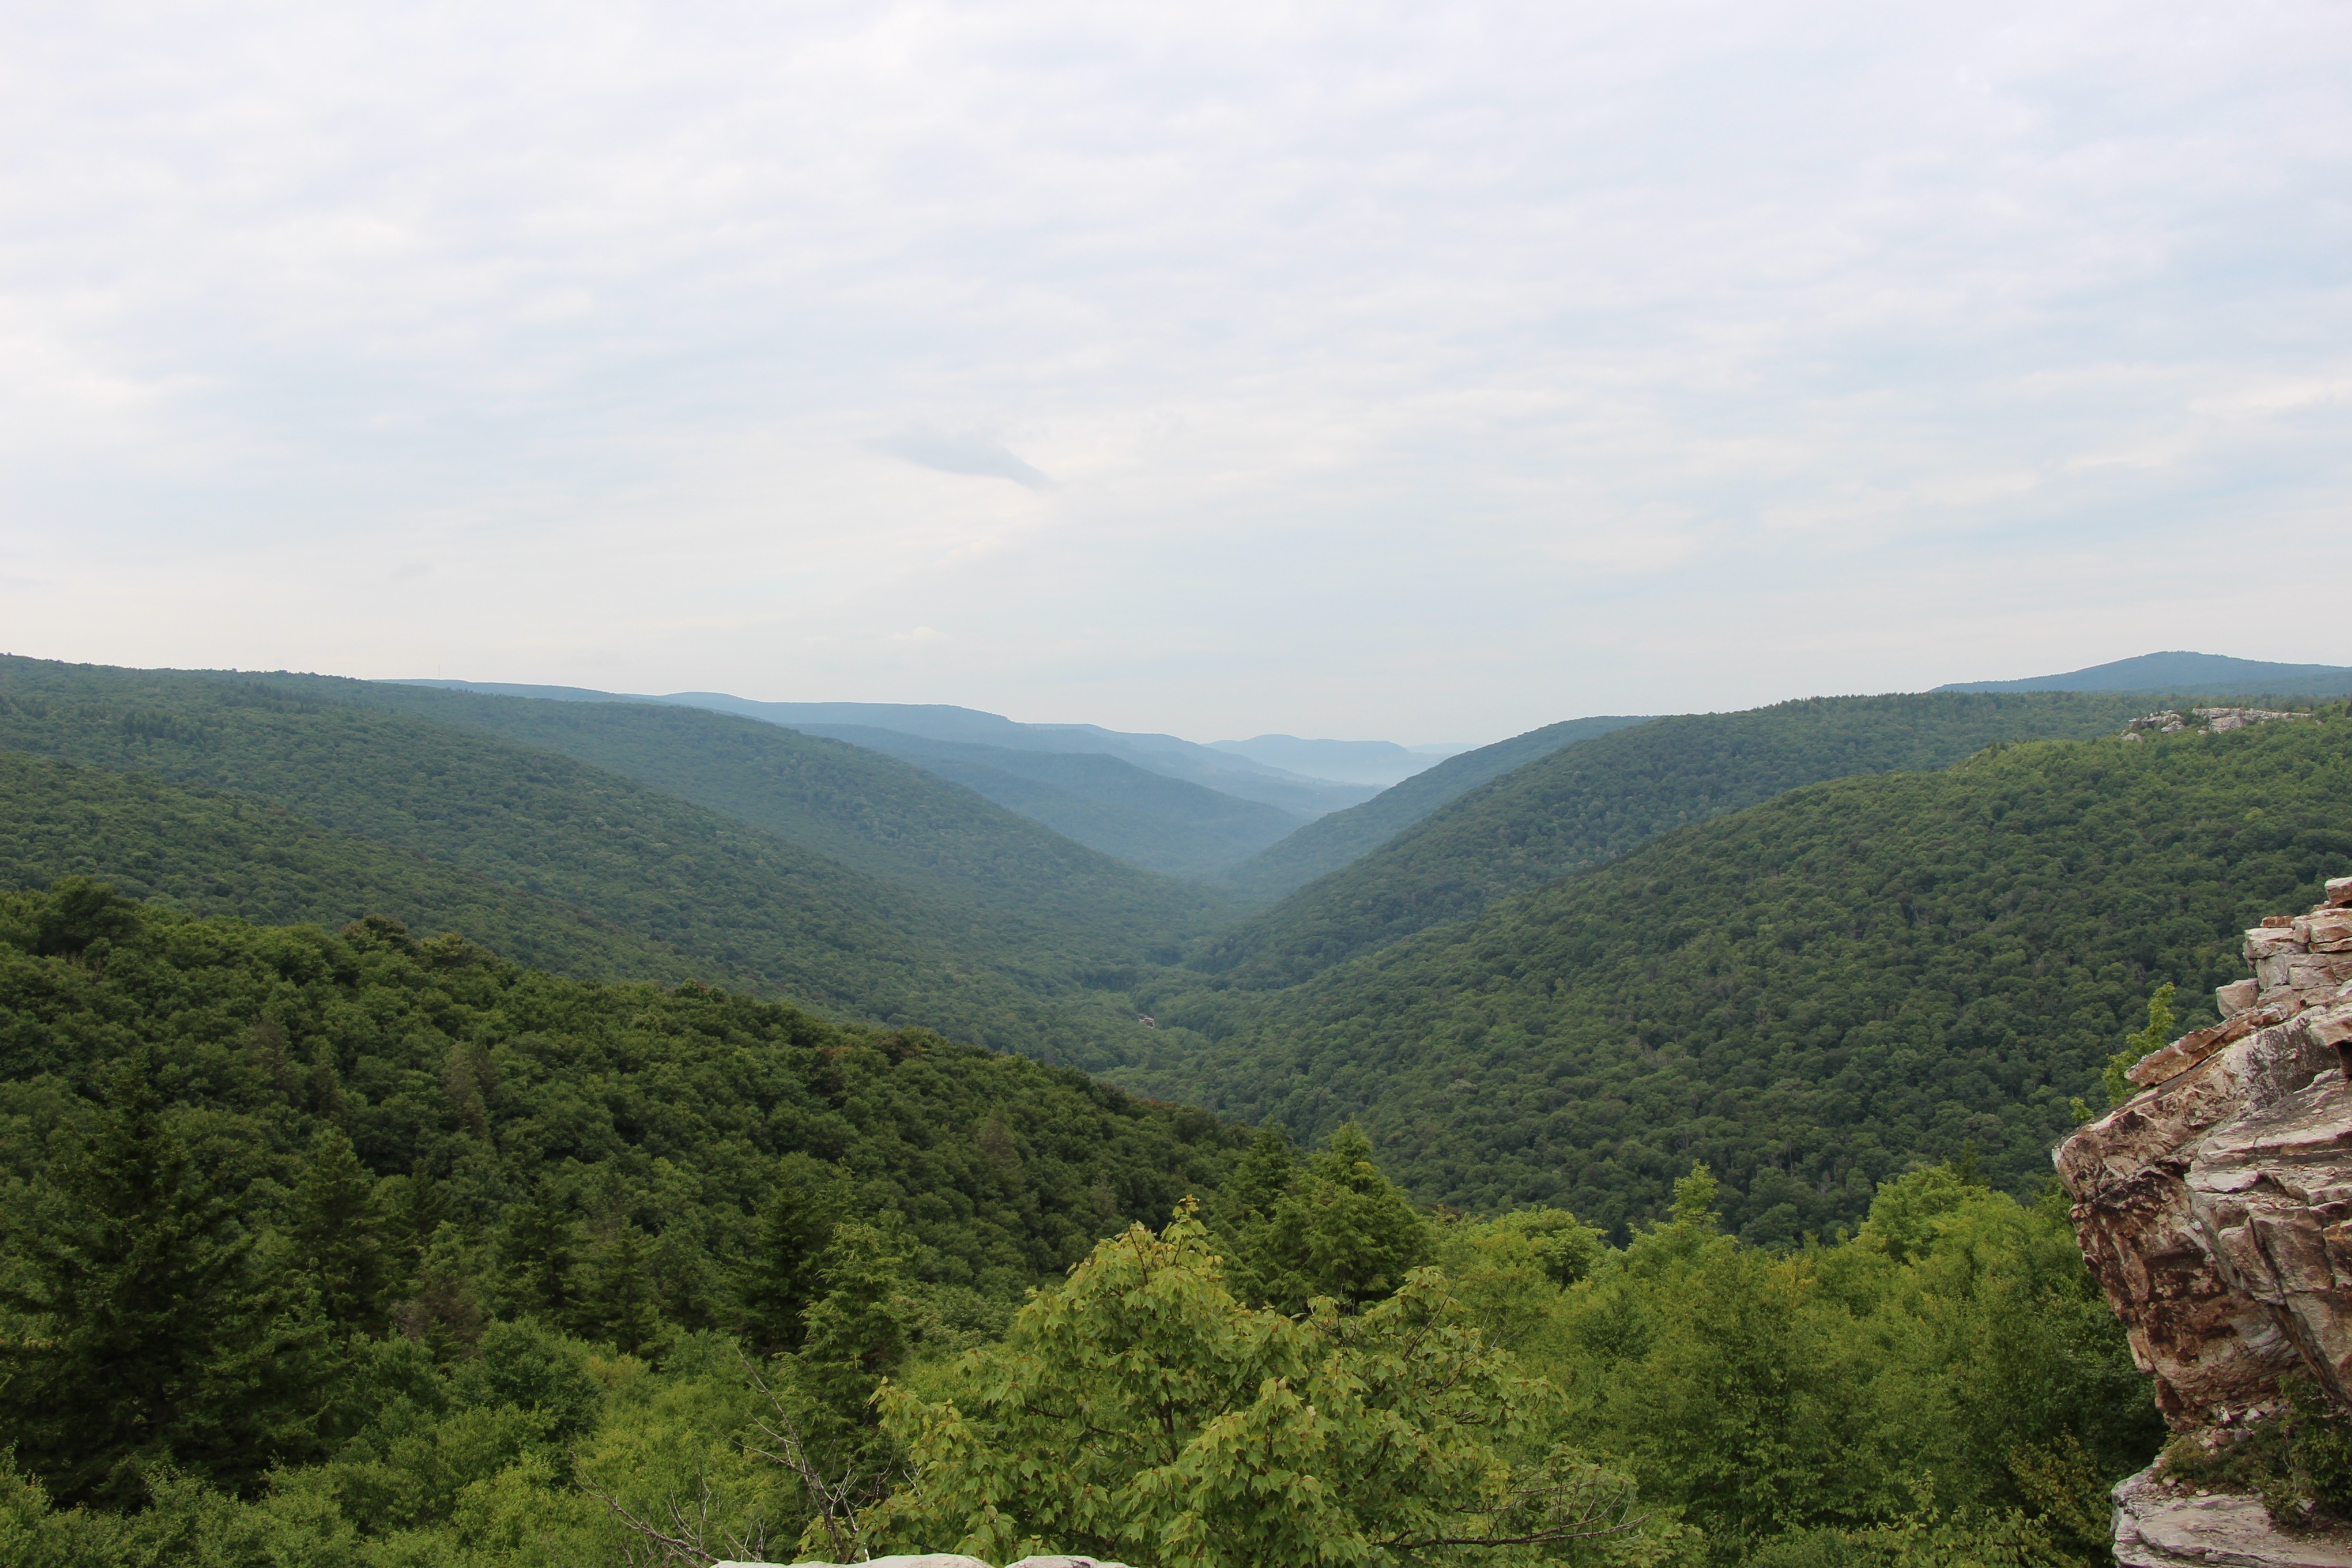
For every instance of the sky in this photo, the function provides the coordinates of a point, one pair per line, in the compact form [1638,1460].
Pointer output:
[1421,372]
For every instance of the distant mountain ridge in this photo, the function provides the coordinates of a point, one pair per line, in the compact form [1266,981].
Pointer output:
[1149,819]
[1378,763]
[1106,789]
[2180,673]
[1231,772]
[1177,758]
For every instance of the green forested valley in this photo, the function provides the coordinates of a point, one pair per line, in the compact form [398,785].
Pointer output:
[1328,843]
[1104,802]
[852,803]
[353,1248]
[449,1128]
[920,932]
[1580,805]
[1806,995]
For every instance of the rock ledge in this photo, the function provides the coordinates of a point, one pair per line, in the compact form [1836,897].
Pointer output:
[2159,1526]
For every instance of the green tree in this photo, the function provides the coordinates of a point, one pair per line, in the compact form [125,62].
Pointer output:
[1266,1171]
[615,1302]
[540,1252]
[80,912]
[335,1237]
[855,1335]
[1339,1229]
[533,1368]
[322,1086]
[1711,1365]
[445,1314]
[1953,1361]
[1141,1412]
[2155,1038]
[1510,1271]
[153,1344]
[776,1283]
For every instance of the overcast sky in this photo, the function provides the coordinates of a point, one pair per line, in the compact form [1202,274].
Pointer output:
[1425,372]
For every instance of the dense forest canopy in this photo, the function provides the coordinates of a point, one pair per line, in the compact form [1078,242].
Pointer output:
[1581,804]
[863,808]
[1806,995]
[1330,842]
[475,1079]
[739,900]
[358,1248]
[209,851]
[446,1130]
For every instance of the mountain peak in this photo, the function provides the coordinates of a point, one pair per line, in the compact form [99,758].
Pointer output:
[2180,670]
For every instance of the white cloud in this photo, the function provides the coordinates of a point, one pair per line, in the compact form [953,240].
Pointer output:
[1412,371]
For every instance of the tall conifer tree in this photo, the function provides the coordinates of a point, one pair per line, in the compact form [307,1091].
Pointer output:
[335,1234]
[150,1315]
[777,1283]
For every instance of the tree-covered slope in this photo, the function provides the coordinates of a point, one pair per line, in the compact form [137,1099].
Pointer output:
[874,814]
[327,1248]
[756,908]
[1168,755]
[1148,819]
[479,1081]
[1808,995]
[1330,842]
[1587,803]
[209,853]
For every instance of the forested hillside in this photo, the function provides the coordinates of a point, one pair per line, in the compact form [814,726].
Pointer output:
[1806,995]
[485,1139]
[1584,804]
[209,853]
[350,1242]
[1104,802]
[346,1247]
[874,813]
[1330,842]
[741,903]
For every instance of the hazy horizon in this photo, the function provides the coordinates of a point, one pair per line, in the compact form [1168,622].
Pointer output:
[1391,372]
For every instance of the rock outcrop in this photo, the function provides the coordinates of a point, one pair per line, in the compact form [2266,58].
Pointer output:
[2215,1209]
[2159,1526]
[2205,721]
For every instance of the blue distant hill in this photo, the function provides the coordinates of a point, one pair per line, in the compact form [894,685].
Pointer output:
[2185,674]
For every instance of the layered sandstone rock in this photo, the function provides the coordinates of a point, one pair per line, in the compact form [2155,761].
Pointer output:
[2212,1206]
[2215,1209]
[2157,1526]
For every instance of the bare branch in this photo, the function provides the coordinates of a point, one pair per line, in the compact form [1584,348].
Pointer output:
[685,1546]
[1586,1507]
[840,1501]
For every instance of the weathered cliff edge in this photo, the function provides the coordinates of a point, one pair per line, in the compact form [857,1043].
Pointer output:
[2215,1209]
